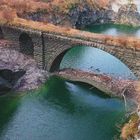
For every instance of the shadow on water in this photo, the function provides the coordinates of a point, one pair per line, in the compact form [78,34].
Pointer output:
[69,95]
[59,96]
[58,92]
[91,109]
[8,107]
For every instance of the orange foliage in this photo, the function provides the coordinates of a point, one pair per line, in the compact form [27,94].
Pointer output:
[24,5]
[9,14]
[54,5]
[130,129]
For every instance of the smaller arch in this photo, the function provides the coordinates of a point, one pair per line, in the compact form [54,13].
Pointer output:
[1,34]
[26,44]
[56,63]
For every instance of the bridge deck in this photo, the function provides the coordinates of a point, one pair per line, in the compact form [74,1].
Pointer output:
[129,42]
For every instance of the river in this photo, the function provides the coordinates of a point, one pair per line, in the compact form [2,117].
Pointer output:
[61,110]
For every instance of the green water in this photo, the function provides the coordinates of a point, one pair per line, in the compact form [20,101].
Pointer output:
[115,30]
[62,110]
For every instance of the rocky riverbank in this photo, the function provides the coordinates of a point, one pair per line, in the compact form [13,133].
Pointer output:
[8,79]
[15,62]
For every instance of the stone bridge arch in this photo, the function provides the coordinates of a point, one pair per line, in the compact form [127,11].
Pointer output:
[26,44]
[57,57]
[57,61]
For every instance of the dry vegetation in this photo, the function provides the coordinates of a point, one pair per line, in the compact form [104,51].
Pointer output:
[130,129]
[21,6]
[66,5]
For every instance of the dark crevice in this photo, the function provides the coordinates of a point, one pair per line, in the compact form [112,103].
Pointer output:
[1,34]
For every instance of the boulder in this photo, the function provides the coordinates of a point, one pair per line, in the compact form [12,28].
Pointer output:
[8,79]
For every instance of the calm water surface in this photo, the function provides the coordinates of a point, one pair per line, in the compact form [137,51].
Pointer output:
[115,30]
[67,111]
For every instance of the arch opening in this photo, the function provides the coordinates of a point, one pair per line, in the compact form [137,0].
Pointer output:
[26,44]
[92,59]
[56,63]
[1,34]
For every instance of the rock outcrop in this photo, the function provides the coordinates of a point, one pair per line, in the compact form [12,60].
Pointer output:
[129,15]
[77,17]
[8,79]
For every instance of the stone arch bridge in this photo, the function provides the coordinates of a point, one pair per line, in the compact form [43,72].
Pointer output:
[48,48]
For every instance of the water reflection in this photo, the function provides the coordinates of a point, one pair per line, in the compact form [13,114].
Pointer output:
[62,110]
[115,30]
[8,107]
[60,98]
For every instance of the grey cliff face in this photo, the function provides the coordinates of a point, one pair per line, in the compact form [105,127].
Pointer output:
[89,16]
[79,18]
